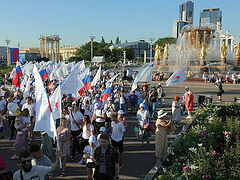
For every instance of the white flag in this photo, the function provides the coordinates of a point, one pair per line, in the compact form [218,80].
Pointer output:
[145,75]
[56,103]
[72,82]
[97,77]
[177,77]
[27,88]
[44,116]
[110,81]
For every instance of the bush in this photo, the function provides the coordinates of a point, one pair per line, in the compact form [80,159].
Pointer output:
[210,149]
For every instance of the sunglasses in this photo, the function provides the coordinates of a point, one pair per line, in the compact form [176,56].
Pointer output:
[26,161]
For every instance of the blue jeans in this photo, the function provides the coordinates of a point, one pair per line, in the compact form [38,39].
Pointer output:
[153,108]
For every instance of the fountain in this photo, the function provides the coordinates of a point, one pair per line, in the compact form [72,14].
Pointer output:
[197,50]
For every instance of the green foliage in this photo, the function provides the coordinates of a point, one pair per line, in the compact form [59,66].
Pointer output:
[166,40]
[74,59]
[117,41]
[6,69]
[102,49]
[210,149]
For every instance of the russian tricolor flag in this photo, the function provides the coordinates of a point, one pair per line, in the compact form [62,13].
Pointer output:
[16,78]
[43,73]
[106,93]
[86,81]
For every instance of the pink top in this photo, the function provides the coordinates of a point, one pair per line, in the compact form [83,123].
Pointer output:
[189,105]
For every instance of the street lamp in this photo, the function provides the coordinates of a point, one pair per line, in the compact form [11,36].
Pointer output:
[8,58]
[151,41]
[92,38]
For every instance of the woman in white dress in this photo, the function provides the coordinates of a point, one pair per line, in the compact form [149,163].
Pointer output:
[176,110]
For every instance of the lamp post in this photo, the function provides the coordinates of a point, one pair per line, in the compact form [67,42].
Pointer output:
[8,58]
[92,38]
[124,57]
[151,41]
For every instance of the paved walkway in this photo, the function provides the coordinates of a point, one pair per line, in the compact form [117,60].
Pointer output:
[138,159]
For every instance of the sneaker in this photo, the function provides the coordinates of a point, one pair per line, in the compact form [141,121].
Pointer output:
[83,161]
[189,117]
[14,157]
[121,164]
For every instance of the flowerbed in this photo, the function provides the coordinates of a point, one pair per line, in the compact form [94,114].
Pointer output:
[210,149]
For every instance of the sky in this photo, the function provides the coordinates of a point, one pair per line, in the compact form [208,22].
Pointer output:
[23,21]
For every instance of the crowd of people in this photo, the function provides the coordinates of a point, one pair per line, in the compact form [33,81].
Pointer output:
[90,130]
[214,77]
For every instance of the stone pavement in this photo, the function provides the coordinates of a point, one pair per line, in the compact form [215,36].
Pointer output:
[138,159]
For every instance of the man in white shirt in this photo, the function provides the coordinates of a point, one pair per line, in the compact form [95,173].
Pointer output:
[118,133]
[11,114]
[76,119]
[29,172]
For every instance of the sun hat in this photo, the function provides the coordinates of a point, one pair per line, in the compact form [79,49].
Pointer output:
[161,113]
[103,129]
[92,139]
[120,112]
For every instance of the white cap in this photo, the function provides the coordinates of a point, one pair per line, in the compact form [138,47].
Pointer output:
[2,86]
[109,98]
[97,96]
[142,105]
[159,84]
[74,103]
[103,129]
[120,112]
[92,139]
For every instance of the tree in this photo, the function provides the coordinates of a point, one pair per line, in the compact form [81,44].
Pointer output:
[117,40]
[102,41]
[166,40]
[74,59]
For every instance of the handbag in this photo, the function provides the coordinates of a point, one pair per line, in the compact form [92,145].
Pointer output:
[171,128]
[163,94]
[149,126]
[78,137]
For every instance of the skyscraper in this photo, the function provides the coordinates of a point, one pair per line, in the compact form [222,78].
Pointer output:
[186,12]
[210,17]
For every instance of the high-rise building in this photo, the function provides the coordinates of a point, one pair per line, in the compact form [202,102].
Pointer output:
[210,17]
[177,28]
[186,12]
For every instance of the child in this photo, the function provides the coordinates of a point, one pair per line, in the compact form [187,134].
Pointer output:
[88,154]
[1,126]
[21,137]
[121,118]
[102,131]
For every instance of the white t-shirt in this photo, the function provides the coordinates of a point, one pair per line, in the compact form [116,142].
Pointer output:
[2,104]
[12,108]
[30,107]
[142,117]
[77,117]
[36,173]
[99,113]
[117,131]
[89,150]
[86,133]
